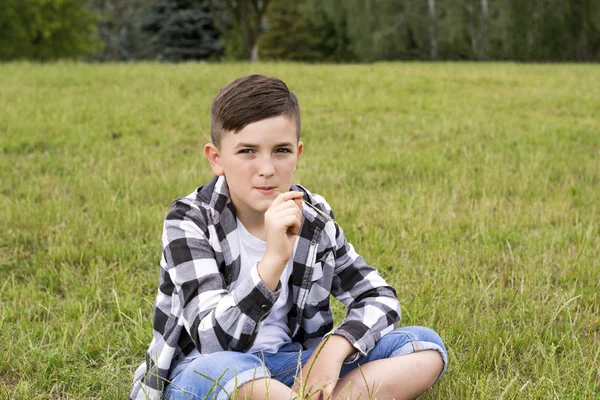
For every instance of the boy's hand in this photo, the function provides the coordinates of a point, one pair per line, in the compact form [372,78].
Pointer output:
[282,223]
[324,367]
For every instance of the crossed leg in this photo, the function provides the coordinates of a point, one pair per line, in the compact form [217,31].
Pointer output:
[266,388]
[403,377]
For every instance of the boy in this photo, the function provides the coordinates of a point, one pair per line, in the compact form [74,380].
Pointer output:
[249,261]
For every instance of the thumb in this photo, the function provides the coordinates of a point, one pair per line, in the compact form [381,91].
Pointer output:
[299,203]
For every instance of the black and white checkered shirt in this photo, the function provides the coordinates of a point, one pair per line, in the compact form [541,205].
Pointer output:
[196,307]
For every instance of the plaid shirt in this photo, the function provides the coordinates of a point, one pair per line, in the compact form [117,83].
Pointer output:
[196,307]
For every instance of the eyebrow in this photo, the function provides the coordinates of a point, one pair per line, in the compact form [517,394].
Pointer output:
[254,146]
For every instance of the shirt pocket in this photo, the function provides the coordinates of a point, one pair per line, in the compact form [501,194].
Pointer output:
[317,301]
[323,269]
[317,272]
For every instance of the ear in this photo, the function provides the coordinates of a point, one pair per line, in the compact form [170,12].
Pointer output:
[299,151]
[214,158]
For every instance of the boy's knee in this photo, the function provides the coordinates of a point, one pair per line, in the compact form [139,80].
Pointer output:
[432,361]
[423,334]
[423,339]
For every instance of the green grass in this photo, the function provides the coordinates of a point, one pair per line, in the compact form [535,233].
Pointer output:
[473,188]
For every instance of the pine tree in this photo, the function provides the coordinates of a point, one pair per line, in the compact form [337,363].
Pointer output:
[182,30]
[119,29]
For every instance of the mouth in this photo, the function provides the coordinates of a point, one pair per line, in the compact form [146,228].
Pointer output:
[265,189]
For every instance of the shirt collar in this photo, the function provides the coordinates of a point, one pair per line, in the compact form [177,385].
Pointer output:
[215,193]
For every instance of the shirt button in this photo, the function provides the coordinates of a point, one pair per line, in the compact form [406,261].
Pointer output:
[264,307]
[312,242]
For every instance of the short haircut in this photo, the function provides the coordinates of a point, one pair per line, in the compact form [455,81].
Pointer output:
[251,99]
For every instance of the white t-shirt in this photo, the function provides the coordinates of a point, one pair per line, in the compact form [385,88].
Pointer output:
[273,331]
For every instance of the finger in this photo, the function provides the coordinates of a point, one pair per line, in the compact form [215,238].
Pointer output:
[288,204]
[296,387]
[285,220]
[294,229]
[299,203]
[285,196]
[328,391]
[291,223]
[312,393]
[281,213]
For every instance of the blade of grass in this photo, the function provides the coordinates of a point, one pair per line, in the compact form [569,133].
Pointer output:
[310,205]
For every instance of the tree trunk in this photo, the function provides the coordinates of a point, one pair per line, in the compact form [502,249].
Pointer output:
[484,29]
[432,30]
[247,34]
[254,53]
[472,32]
[259,9]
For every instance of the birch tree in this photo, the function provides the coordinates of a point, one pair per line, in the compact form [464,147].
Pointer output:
[433,43]
[484,29]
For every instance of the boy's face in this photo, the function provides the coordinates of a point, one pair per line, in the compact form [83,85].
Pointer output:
[260,157]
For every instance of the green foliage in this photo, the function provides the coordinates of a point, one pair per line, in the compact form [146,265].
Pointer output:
[120,31]
[304,31]
[472,188]
[287,36]
[542,30]
[46,29]
[242,23]
[182,30]
[329,38]
[234,45]
[553,30]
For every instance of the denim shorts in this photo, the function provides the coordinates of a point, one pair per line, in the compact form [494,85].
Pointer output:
[216,375]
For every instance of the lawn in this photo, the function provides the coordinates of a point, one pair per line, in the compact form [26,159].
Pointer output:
[473,188]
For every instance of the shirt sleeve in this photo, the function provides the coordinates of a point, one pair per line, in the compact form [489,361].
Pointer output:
[372,306]
[216,319]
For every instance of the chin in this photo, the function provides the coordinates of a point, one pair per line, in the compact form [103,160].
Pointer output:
[263,206]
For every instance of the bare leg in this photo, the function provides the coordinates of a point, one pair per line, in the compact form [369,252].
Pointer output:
[265,388]
[402,377]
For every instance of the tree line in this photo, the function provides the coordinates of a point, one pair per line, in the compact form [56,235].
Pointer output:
[300,30]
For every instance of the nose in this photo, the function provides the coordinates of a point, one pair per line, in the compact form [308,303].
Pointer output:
[266,168]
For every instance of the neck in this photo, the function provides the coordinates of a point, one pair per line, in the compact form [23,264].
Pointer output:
[254,223]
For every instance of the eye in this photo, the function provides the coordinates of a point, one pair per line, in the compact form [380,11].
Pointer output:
[283,150]
[245,151]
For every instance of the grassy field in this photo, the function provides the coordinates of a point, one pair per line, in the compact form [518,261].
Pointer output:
[474,188]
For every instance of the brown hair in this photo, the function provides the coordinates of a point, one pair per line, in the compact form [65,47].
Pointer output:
[251,99]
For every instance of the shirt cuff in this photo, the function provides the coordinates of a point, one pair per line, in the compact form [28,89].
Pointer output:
[354,356]
[254,297]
